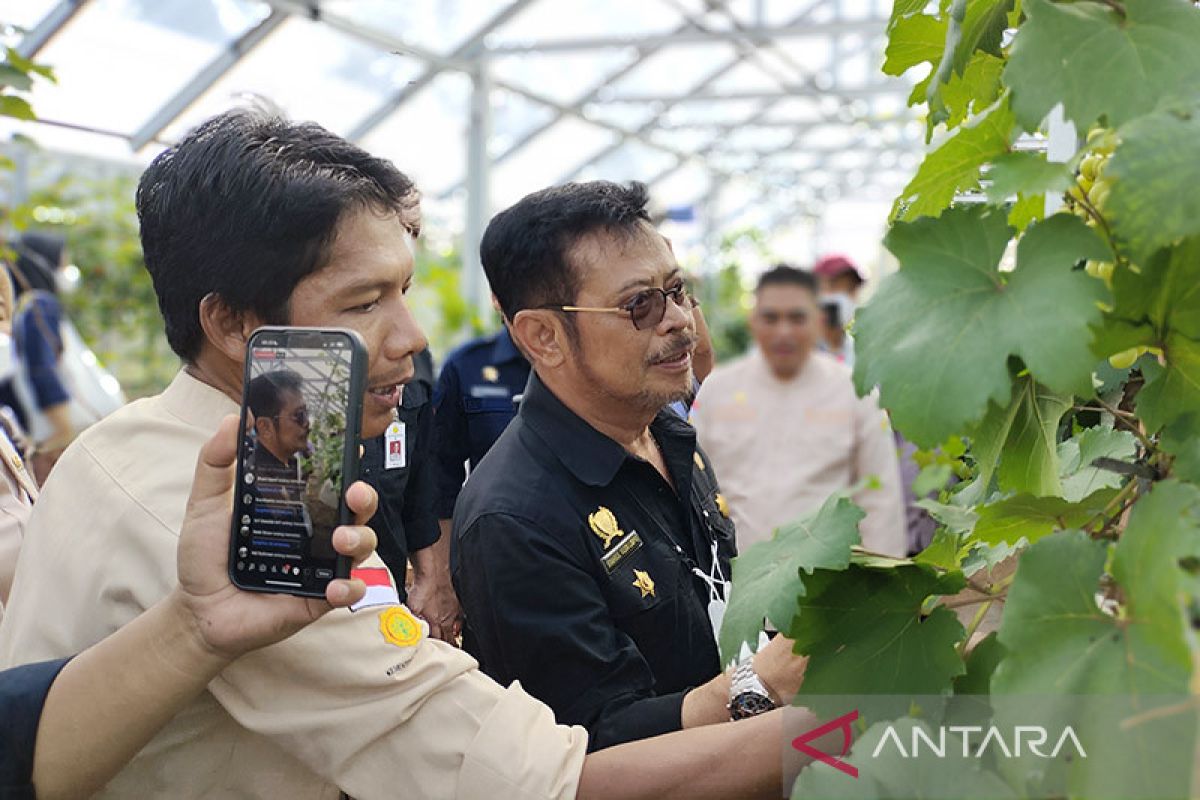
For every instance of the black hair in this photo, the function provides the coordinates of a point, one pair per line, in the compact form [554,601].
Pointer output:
[38,258]
[246,206]
[264,394]
[526,248]
[787,275]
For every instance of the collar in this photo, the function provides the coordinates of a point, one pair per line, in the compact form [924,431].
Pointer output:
[196,403]
[588,454]
[503,347]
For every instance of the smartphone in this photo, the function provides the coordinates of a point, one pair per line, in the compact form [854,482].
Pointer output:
[302,394]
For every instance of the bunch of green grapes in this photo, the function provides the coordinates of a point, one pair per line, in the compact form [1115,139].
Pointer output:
[1091,190]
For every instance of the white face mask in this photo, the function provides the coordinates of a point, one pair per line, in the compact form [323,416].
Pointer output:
[7,362]
[845,304]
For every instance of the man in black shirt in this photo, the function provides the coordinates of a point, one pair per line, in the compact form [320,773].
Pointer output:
[592,545]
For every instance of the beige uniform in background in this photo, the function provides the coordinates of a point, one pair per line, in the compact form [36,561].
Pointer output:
[780,448]
[17,493]
[337,706]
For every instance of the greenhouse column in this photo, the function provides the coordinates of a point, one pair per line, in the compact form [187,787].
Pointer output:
[478,190]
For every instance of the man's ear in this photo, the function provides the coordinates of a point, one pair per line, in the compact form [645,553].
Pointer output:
[227,330]
[540,334]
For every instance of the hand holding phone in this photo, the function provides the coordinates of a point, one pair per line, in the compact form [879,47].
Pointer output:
[300,422]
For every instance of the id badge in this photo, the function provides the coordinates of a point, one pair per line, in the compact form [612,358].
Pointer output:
[395,453]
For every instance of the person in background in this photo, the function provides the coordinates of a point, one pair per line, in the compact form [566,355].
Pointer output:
[591,551]
[785,429]
[43,399]
[839,281]
[400,464]
[71,723]
[18,489]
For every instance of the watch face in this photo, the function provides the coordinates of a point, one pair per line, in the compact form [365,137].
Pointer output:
[749,704]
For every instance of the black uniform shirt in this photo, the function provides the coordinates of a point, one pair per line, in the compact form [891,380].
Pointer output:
[574,564]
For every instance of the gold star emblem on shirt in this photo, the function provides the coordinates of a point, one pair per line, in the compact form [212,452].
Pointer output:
[644,583]
[604,524]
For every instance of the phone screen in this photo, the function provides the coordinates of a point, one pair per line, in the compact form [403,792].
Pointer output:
[300,409]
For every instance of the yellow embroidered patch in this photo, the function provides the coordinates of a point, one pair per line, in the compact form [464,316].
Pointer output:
[699,461]
[722,505]
[604,524]
[399,626]
[644,583]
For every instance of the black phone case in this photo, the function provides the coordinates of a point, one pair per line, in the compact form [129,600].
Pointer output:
[350,450]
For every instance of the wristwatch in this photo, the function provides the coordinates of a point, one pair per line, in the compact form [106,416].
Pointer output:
[748,696]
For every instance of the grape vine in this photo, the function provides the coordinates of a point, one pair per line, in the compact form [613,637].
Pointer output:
[1057,402]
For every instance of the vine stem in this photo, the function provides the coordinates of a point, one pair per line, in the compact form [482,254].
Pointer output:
[974,626]
[1135,429]
[972,601]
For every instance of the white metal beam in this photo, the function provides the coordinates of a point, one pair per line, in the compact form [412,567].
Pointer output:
[204,80]
[54,21]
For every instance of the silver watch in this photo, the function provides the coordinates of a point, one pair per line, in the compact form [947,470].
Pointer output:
[748,695]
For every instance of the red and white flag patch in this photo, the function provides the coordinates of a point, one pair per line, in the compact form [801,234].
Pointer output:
[380,591]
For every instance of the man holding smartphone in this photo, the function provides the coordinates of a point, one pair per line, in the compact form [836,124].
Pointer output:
[255,220]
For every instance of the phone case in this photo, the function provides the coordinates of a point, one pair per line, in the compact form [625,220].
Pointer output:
[350,450]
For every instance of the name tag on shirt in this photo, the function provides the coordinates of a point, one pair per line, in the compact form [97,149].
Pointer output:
[395,452]
[616,554]
[489,391]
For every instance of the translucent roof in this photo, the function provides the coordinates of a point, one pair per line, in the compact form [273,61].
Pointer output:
[759,112]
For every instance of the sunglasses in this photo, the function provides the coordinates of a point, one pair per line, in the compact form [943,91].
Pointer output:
[300,417]
[646,309]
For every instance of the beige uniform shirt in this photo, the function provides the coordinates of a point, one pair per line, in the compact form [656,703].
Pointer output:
[338,705]
[780,448]
[17,493]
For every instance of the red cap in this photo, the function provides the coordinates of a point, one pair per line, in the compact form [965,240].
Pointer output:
[832,265]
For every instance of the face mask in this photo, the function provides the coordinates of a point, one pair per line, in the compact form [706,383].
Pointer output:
[7,363]
[844,302]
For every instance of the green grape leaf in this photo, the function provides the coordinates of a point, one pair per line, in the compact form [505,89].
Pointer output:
[971,92]
[1075,457]
[1182,439]
[1018,442]
[942,551]
[950,297]
[931,479]
[1164,294]
[1173,390]
[1027,210]
[1099,65]
[903,8]
[864,632]
[766,578]
[959,519]
[981,664]
[980,556]
[955,165]
[16,107]
[18,80]
[894,774]
[1158,158]
[1026,173]
[1062,646]
[982,30]
[1012,519]
[914,40]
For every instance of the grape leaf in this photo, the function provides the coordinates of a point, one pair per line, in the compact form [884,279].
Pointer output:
[1063,647]
[956,163]
[973,91]
[981,665]
[1027,210]
[902,9]
[16,107]
[983,30]
[949,297]
[1182,439]
[942,551]
[766,578]
[864,632]
[1032,518]
[1173,390]
[897,775]
[1099,65]
[914,40]
[1158,158]
[959,519]
[1026,173]
[1164,294]
[1075,457]
[980,556]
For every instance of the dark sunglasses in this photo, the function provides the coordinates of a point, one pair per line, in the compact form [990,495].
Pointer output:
[646,308]
[300,417]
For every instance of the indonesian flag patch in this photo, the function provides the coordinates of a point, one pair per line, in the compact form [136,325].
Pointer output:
[380,591]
